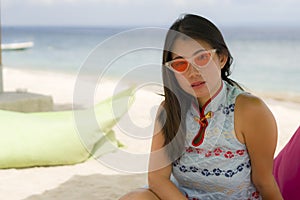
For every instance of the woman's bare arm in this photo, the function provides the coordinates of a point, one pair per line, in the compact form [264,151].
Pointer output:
[160,168]
[258,127]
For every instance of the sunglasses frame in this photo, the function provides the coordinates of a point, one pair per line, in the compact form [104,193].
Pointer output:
[190,60]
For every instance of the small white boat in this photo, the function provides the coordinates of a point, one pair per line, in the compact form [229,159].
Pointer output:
[16,46]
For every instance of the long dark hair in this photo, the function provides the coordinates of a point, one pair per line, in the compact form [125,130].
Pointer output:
[177,102]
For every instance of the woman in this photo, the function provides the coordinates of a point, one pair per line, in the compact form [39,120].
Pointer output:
[215,141]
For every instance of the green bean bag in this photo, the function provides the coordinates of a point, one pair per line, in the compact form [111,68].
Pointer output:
[60,138]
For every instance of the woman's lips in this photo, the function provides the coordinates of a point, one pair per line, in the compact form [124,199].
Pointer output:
[197,84]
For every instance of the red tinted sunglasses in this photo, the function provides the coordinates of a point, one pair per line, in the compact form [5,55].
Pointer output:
[200,59]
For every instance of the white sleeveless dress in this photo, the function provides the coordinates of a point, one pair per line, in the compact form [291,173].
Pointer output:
[214,165]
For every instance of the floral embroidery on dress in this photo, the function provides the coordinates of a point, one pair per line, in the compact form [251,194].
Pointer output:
[213,172]
[226,109]
[255,195]
[216,152]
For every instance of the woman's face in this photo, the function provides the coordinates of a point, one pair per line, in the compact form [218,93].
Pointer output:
[199,82]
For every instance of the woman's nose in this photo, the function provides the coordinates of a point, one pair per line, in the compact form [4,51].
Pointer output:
[192,70]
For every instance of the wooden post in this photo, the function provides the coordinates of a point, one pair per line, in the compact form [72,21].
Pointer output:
[1,69]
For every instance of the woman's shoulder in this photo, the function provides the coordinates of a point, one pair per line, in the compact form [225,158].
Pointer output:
[253,120]
[250,103]
[251,109]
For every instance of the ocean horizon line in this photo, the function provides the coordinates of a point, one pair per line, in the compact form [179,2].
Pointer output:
[231,32]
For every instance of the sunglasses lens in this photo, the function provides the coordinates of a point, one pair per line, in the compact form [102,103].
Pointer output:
[180,65]
[202,58]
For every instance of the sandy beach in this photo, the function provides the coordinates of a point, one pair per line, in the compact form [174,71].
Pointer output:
[91,179]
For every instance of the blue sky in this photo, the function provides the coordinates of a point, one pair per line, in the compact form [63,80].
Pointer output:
[148,12]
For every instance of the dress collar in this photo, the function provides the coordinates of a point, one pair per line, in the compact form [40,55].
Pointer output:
[213,103]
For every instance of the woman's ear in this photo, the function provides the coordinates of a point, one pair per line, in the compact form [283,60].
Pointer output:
[223,59]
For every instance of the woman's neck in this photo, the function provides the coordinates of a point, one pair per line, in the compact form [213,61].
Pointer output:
[202,101]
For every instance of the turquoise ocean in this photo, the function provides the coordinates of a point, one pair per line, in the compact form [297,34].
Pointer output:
[266,59]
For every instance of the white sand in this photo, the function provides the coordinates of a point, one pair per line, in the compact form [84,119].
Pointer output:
[92,180]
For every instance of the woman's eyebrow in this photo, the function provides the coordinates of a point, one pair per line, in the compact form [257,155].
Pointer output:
[177,57]
[199,50]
